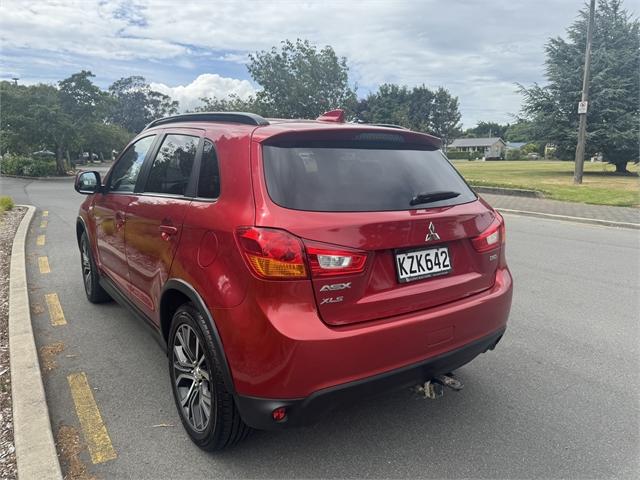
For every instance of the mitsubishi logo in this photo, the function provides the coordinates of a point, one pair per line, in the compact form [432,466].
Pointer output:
[432,235]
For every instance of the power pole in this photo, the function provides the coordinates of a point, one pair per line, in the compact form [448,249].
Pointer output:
[582,107]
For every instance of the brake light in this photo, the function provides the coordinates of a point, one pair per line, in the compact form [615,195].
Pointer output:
[326,262]
[493,237]
[272,253]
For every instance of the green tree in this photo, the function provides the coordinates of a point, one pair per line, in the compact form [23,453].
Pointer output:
[86,106]
[135,104]
[488,129]
[14,120]
[445,122]
[390,104]
[231,104]
[56,129]
[614,108]
[519,131]
[300,81]
[81,98]
[104,138]
[33,118]
[420,109]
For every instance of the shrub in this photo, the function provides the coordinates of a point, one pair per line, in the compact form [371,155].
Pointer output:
[456,155]
[515,154]
[6,203]
[27,166]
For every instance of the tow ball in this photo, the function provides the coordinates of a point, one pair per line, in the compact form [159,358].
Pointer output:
[434,388]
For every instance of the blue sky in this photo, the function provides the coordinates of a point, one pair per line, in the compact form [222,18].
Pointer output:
[478,49]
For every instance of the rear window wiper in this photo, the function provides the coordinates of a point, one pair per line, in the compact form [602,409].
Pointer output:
[432,197]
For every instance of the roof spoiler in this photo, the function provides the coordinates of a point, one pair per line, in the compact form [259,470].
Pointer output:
[335,116]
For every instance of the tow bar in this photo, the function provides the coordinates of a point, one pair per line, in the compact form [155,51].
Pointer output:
[434,388]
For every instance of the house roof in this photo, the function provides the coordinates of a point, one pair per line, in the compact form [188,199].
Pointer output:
[516,144]
[474,142]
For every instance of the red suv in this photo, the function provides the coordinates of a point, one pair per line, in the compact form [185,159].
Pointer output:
[289,265]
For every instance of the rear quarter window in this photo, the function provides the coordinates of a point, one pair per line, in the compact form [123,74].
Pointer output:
[356,179]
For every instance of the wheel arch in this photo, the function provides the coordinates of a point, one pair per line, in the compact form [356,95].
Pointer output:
[81,227]
[176,292]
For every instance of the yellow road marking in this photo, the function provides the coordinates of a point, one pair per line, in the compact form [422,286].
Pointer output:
[93,428]
[43,264]
[43,223]
[45,213]
[40,240]
[55,310]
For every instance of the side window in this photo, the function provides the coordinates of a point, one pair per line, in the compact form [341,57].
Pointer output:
[125,173]
[209,181]
[172,166]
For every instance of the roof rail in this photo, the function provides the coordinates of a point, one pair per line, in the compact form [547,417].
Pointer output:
[228,117]
[389,125]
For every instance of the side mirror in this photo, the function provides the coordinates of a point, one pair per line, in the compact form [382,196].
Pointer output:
[88,183]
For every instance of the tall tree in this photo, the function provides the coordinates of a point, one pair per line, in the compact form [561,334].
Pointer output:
[300,81]
[446,115]
[614,110]
[86,107]
[81,98]
[390,104]
[231,104]
[420,109]
[488,129]
[135,104]
[519,131]
[57,129]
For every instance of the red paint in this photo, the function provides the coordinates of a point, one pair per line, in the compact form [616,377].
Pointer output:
[280,339]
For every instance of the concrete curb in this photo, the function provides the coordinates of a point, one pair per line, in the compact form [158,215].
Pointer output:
[591,221]
[23,177]
[35,449]
[516,192]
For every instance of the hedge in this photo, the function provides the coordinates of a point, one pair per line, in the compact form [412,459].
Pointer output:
[27,166]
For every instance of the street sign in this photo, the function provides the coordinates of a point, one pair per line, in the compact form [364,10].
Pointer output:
[582,107]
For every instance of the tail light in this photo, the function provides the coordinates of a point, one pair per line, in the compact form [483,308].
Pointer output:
[493,237]
[326,261]
[276,254]
[272,253]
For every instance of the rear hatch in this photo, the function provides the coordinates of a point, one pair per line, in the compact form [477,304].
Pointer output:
[387,223]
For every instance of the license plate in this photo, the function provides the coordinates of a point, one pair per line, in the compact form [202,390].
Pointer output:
[420,264]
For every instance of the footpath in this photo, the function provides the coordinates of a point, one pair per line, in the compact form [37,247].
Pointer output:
[625,217]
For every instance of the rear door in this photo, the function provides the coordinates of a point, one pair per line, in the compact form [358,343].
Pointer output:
[403,207]
[154,218]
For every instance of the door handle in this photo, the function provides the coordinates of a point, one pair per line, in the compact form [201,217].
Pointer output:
[119,218]
[167,231]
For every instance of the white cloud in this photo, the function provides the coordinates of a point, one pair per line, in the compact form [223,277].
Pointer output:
[476,49]
[205,85]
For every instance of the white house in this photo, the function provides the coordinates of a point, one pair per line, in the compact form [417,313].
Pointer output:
[489,148]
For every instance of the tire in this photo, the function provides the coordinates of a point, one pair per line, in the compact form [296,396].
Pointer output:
[199,365]
[90,276]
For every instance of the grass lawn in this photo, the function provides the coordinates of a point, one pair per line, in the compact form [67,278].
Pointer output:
[555,179]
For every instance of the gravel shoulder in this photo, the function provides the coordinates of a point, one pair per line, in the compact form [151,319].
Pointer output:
[9,222]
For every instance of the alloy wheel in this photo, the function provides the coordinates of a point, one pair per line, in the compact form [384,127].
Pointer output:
[86,267]
[191,374]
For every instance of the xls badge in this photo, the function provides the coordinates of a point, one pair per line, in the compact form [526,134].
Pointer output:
[331,300]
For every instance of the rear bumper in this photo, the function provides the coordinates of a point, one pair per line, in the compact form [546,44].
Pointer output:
[289,353]
[256,412]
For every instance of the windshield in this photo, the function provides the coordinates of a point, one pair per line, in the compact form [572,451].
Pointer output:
[360,179]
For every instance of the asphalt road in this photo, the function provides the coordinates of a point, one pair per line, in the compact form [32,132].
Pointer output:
[557,398]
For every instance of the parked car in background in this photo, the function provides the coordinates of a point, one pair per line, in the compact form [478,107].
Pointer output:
[292,266]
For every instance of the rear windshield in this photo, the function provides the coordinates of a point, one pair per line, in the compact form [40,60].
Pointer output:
[328,179]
